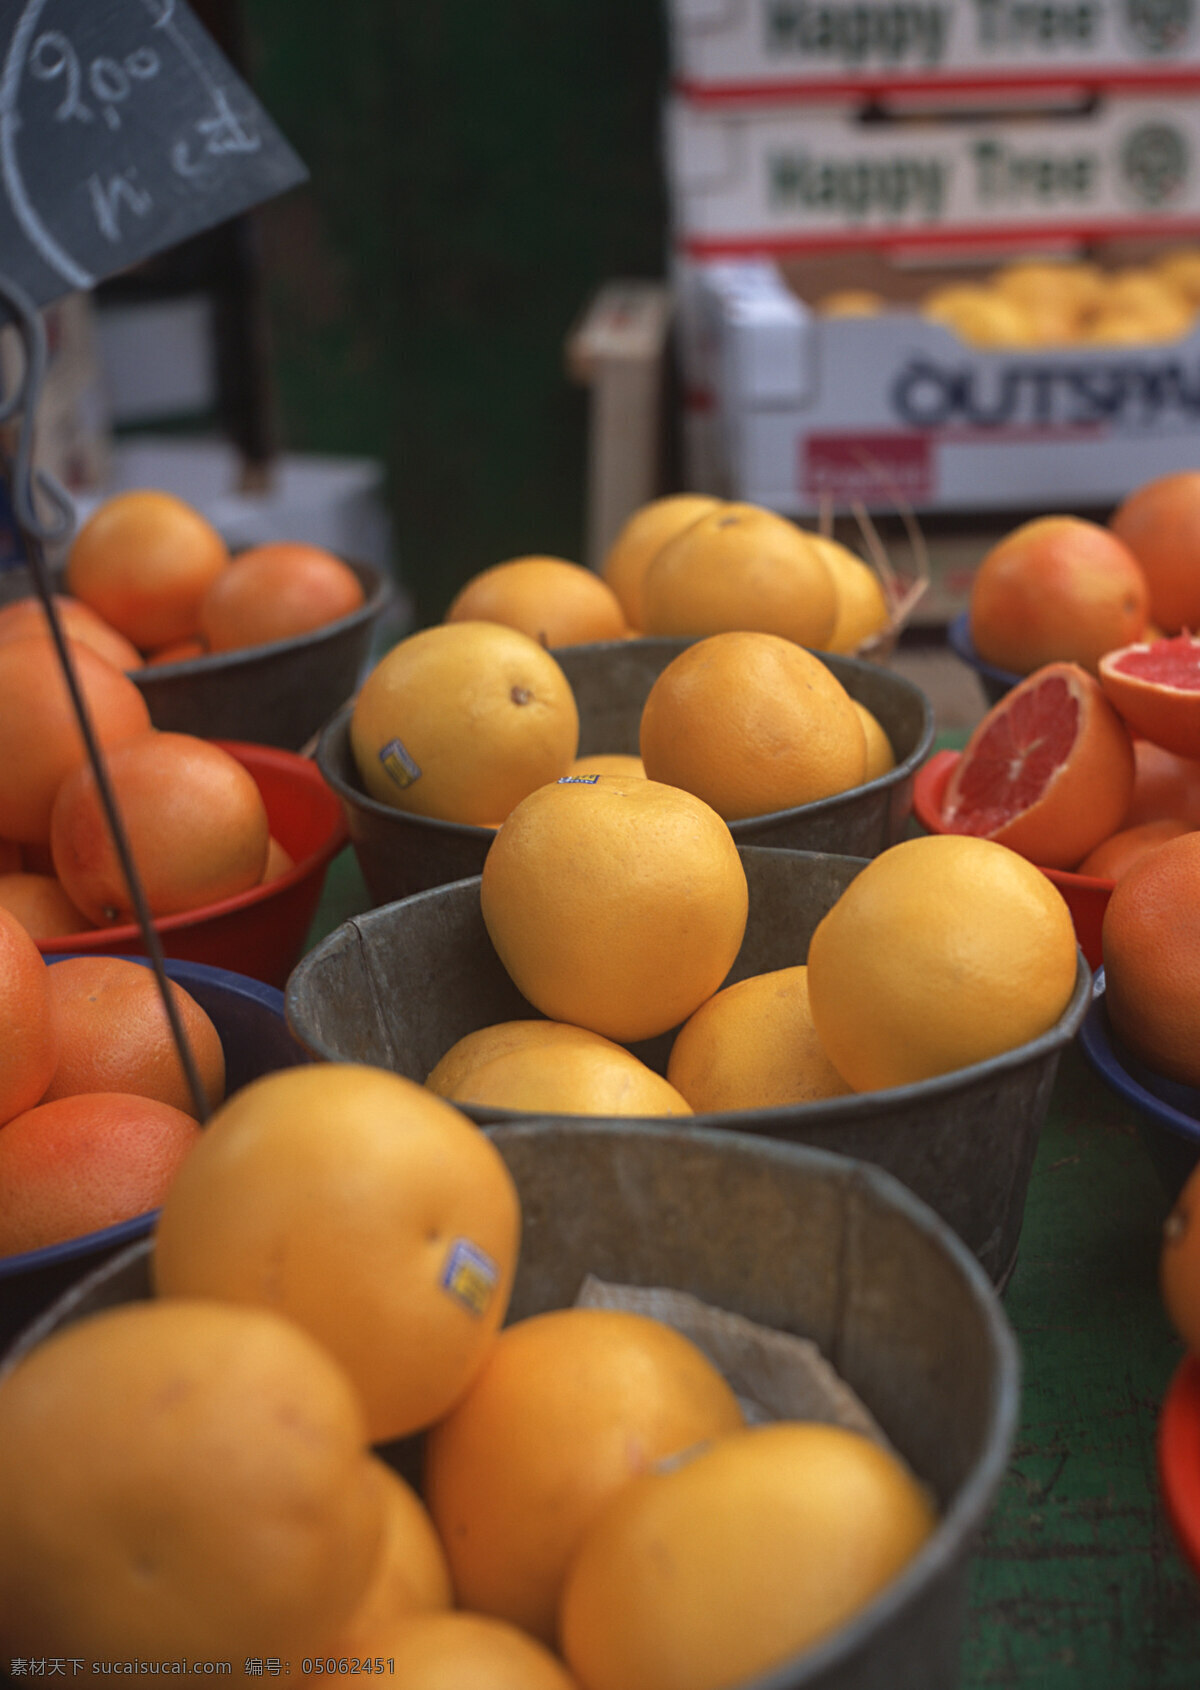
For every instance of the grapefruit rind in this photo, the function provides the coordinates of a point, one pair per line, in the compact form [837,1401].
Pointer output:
[1155,687]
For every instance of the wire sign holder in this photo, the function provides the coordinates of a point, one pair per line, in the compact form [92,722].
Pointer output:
[123,131]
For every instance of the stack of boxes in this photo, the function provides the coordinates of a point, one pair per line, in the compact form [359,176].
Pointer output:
[814,147]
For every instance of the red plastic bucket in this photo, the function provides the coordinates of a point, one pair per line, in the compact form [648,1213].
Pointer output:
[260,932]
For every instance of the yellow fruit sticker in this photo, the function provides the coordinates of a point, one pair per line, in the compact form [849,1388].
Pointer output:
[399,764]
[578,780]
[470,1275]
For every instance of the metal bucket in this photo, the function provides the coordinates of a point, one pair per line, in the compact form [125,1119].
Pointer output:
[802,1241]
[398,986]
[993,680]
[401,854]
[279,694]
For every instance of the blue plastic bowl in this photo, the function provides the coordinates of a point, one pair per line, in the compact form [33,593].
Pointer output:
[255,1037]
[1168,1114]
[995,682]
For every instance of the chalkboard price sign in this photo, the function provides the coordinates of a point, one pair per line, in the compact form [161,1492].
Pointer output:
[123,131]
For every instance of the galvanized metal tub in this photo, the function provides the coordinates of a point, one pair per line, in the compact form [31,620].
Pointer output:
[401,854]
[280,694]
[796,1239]
[400,984]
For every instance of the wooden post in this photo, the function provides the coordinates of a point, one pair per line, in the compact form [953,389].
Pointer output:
[617,349]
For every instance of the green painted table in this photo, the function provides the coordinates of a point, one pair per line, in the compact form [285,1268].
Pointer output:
[1077,1584]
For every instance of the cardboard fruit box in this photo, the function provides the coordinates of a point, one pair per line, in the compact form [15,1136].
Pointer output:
[894,410]
[721,49]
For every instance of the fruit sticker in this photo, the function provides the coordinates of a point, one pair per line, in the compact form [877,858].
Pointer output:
[470,1275]
[397,762]
[578,780]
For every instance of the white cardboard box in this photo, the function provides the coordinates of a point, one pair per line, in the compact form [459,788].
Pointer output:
[806,411]
[784,178]
[728,47]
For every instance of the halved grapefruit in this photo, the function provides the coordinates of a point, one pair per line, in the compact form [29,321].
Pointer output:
[1048,771]
[1155,686]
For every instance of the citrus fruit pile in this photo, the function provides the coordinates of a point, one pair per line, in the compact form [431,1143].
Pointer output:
[204,1470]
[96,1110]
[1064,588]
[1084,774]
[151,570]
[1033,303]
[689,564]
[461,721]
[196,822]
[1150,939]
[195,819]
[618,908]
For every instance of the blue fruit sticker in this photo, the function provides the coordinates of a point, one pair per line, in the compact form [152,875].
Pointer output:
[399,764]
[578,780]
[470,1275]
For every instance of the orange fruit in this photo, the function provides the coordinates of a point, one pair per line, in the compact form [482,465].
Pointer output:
[76,1164]
[714,1571]
[40,905]
[608,763]
[1139,303]
[863,612]
[555,602]
[455,1650]
[42,740]
[1058,588]
[462,721]
[181,1478]
[572,1078]
[641,536]
[741,567]
[367,1209]
[474,1049]
[751,723]
[143,561]
[1114,855]
[1163,785]
[410,1576]
[1181,268]
[194,818]
[1049,771]
[979,315]
[114,1034]
[1054,296]
[1179,1264]
[279,862]
[276,591]
[941,952]
[28,1042]
[753,1046]
[1155,688]
[77,621]
[616,905]
[1150,941]
[570,1405]
[179,651]
[850,302]
[881,755]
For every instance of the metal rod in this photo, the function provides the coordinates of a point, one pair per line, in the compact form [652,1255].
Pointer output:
[33,535]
